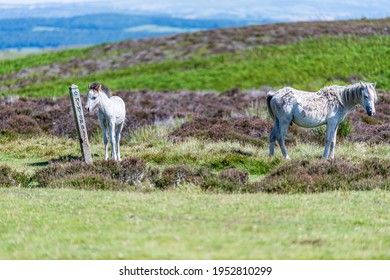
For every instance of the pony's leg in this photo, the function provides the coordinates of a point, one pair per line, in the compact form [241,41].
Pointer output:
[118,139]
[272,137]
[112,140]
[105,139]
[329,139]
[283,127]
[333,143]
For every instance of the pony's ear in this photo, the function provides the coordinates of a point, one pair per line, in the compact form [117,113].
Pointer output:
[89,86]
[98,87]
[374,84]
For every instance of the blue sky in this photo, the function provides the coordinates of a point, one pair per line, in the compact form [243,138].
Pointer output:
[241,9]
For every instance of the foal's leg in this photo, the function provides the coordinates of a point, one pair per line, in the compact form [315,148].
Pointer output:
[105,139]
[272,137]
[118,139]
[112,140]
[283,127]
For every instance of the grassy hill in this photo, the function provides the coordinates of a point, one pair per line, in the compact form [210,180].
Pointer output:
[304,55]
[195,149]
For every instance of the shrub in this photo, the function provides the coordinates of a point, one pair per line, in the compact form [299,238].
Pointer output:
[345,128]
[245,130]
[22,124]
[320,176]
[55,172]
[11,178]
[130,171]
[378,134]
[235,176]
[305,176]
[174,176]
[229,180]
[94,182]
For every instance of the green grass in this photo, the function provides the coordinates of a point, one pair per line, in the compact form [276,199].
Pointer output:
[10,66]
[308,64]
[70,224]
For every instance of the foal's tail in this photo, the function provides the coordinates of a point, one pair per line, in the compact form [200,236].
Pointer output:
[270,94]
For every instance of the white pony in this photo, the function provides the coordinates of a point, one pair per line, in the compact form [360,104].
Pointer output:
[329,106]
[111,115]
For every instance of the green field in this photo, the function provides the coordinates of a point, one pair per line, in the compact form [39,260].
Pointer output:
[345,215]
[69,224]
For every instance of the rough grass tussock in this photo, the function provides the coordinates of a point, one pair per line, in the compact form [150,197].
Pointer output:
[11,178]
[174,176]
[244,130]
[229,180]
[305,176]
[106,175]
[310,176]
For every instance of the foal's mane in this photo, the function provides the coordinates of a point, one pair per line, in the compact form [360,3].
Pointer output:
[96,85]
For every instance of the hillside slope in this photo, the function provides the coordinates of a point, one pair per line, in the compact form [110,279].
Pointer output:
[27,76]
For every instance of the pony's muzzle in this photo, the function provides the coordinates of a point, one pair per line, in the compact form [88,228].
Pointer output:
[371,113]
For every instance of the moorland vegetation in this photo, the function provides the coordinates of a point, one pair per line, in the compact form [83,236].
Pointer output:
[197,129]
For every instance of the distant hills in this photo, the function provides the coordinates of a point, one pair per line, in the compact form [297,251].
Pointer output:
[51,24]
[93,29]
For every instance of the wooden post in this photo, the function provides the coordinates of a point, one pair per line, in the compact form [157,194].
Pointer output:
[80,122]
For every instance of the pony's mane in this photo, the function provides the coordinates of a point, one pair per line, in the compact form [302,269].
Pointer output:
[350,94]
[96,85]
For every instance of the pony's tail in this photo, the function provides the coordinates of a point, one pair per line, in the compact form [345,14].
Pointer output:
[270,95]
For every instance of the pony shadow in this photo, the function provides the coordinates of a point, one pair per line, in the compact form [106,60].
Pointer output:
[62,159]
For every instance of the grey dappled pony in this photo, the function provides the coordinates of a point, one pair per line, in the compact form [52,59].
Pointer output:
[111,115]
[329,106]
